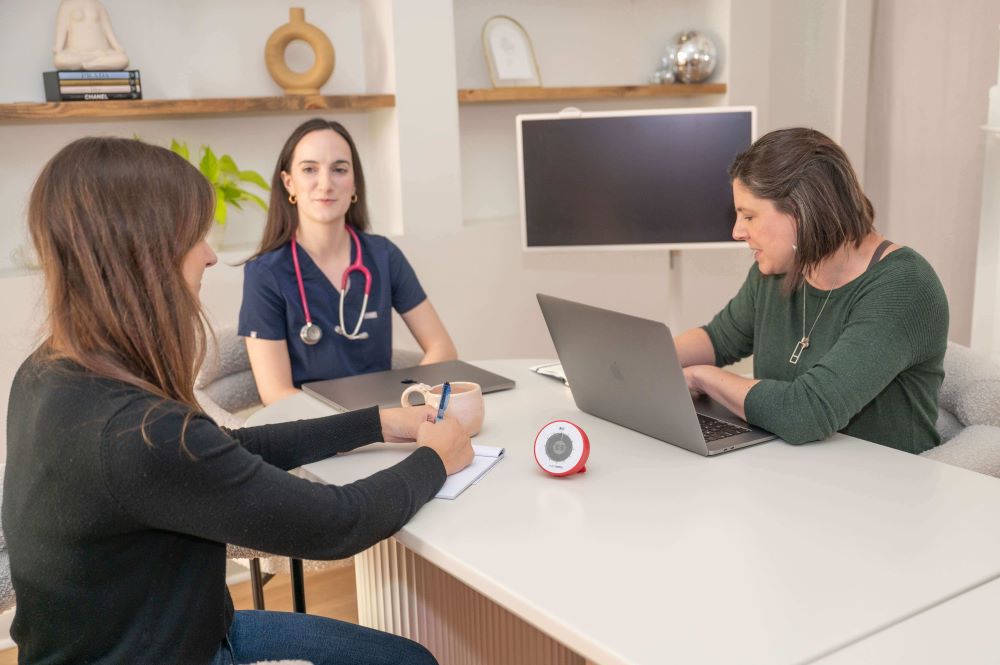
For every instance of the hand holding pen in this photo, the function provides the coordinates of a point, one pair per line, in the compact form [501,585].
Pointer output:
[447,437]
[445,394]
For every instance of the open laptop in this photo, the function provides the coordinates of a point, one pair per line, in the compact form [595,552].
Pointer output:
[625,369]
[384,388]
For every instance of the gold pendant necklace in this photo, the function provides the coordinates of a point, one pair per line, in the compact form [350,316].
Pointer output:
[803,343]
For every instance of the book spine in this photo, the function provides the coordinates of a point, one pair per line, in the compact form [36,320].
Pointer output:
[51,81]
[84,83]
[82,89]
[126,74]
[97,96]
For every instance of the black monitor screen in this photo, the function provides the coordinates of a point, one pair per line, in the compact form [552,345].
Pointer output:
[658,178]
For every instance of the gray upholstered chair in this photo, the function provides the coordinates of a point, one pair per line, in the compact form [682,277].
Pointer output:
[226,390]
[225,386]
[969,415]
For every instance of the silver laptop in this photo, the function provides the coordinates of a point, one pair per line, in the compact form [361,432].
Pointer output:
[625,369]
[384,388]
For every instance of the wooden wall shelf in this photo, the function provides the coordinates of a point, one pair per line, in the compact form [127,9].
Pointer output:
[162,108]
[493,95]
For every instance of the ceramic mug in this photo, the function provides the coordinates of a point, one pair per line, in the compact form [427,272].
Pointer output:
[465,404]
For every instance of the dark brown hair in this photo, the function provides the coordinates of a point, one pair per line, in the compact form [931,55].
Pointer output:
[808,176]
[282,216]
[112,220]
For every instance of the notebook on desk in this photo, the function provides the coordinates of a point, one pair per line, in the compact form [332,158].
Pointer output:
[384,388]
[363,462]
[625,369]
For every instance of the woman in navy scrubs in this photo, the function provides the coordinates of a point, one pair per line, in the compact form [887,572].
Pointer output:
[299,321]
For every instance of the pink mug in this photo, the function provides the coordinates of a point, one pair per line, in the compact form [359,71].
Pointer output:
[465,404]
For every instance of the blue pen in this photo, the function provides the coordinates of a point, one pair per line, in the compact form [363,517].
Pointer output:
[445,394]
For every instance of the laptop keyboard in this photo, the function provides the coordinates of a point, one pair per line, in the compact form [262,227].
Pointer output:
[715,429]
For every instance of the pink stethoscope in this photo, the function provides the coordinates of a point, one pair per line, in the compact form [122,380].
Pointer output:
[310,332]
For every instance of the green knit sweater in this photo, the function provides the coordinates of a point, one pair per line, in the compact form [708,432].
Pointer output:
[874,363]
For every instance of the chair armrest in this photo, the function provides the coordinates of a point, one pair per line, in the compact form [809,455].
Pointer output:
[976,448]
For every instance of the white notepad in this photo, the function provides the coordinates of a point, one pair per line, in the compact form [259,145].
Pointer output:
[363,462]
[555,370]
[485,459]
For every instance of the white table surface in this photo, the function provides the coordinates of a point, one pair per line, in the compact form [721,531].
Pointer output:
[961,630]
[770,554]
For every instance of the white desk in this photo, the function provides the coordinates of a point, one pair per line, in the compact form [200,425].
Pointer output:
[961,630]
[771,554]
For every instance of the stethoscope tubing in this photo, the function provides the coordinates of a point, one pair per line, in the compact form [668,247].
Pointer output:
[310,332]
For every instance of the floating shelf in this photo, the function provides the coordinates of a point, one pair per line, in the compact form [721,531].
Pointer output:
[162,108]
[538,94]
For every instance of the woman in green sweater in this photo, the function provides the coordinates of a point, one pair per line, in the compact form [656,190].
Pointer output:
[847,329]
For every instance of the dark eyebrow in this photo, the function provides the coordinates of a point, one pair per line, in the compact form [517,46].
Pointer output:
[313,161]
[742,209]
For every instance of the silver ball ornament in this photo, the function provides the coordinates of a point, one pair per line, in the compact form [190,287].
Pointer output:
[695,57]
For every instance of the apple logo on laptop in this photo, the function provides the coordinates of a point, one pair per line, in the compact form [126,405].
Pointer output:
[615,372]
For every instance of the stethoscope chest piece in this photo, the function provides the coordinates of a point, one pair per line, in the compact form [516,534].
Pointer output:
[311,334]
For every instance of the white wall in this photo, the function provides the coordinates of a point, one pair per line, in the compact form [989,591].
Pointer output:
[933,63]
[471,264]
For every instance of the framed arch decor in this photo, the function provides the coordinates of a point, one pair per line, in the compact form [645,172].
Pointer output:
[509,54]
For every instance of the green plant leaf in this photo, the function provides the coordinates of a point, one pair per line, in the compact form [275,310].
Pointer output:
[255,178]
[230,191]
[226,178]
[209,164]
[180,148]
[220,209]
[247,196]
[227,165]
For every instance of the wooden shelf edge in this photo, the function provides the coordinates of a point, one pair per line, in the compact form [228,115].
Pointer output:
[152,108]
[493,95]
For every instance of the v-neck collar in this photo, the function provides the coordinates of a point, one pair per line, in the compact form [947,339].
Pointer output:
[309,267]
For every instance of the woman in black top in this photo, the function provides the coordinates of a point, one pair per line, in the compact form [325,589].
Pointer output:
[120,493]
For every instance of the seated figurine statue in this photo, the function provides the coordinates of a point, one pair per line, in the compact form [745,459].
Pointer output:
[84,38]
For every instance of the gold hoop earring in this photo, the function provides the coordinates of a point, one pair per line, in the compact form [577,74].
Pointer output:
[354,197]
[291,199]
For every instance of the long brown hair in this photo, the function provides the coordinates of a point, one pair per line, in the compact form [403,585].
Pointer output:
[282,216]
[112,220]
[808,176]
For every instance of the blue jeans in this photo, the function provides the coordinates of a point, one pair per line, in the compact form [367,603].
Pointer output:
[258,635]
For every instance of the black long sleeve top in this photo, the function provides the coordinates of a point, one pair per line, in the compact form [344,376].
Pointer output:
[117,540]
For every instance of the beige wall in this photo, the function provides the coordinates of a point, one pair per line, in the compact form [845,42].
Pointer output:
[933,62]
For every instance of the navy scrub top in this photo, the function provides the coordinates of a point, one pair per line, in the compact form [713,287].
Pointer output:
[272,308]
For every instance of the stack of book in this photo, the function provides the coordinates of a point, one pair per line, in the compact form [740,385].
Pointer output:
[80,86]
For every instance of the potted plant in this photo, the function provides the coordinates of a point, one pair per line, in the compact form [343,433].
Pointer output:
[228,182]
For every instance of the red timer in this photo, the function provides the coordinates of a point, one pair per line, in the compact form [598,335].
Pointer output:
[562,448]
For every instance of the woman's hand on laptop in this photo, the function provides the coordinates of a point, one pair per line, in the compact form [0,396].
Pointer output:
[691,375]
[721,385]
[402,423]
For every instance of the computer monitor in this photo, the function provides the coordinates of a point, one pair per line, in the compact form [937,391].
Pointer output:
[630,179]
